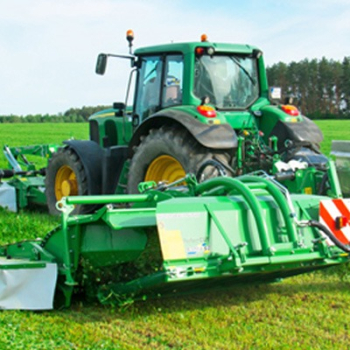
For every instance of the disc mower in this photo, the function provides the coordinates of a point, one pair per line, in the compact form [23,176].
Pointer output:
[184,237]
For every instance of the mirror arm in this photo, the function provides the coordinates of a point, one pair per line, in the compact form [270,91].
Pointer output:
[131,57]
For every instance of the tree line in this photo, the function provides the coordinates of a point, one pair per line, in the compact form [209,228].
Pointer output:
[319,88]
[72,115]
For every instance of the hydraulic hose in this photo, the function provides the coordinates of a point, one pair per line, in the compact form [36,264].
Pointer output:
[330,235]
[323,188]
[211,162]
[6,173]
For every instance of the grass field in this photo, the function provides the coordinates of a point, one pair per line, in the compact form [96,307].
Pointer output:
[29,134]
[333,130]
[45,133]
[305,312]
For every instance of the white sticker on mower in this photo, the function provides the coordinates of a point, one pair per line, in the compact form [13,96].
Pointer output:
[330,210]
[27,289]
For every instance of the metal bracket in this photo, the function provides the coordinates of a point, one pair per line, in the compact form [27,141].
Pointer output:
[145,186]
[239,247]
[64,207]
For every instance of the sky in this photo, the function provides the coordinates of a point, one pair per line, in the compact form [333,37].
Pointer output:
[48,48]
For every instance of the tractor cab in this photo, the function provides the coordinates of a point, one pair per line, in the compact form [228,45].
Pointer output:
[227,78]
[185,76]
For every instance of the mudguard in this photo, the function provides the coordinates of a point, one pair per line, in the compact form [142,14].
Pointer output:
[306,130]
[113,163]
[215,136]
[91,155]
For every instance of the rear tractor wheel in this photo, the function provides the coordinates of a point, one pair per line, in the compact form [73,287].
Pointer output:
[167,155]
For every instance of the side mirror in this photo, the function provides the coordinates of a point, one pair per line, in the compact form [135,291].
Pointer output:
[101,64]
[275,93]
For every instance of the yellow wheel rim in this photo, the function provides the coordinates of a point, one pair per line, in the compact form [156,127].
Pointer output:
[165,168]
[65,183]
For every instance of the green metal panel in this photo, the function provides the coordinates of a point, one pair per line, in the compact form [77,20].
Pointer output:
[29,190]
[118,130]
[191,231]
[14,264]
[103,246]
[239,119]
[127,217]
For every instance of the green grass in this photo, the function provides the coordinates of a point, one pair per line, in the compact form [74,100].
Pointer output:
[45,133]
[32,133]
[308,312]
[305,312]
[16,227]
[333,130]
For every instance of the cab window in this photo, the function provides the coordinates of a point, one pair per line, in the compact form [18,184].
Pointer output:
[149,86]
[172,84]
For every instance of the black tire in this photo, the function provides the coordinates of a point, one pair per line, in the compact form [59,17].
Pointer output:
[65,158]
[175,142]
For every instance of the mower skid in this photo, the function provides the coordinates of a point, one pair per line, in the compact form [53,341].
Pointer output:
[27,285]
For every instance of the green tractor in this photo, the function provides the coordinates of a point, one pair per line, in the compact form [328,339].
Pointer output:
[233,189]
[200,107]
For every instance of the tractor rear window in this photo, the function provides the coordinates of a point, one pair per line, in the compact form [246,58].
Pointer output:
[231,82]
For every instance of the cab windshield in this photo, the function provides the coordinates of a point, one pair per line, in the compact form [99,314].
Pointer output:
[230,82]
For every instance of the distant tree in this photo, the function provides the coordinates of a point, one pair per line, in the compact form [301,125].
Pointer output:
[345,86]
[84,112]
[277,75]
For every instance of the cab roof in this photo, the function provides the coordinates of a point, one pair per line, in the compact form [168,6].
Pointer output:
[189,47]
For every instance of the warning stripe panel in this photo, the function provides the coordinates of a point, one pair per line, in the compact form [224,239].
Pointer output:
[333,210]
[329,212]
[343,206]
[340,204]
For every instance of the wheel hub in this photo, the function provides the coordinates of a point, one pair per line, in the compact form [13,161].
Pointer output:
[66,183]
[69,187]
[165,168]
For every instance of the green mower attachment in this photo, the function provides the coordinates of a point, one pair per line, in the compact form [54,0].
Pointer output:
[171,240]
[25,185]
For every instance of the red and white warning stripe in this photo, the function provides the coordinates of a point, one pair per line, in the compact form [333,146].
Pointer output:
[334,210]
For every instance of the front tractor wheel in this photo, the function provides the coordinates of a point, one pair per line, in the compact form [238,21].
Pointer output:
[65,183]
[167,155]
[65,176]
